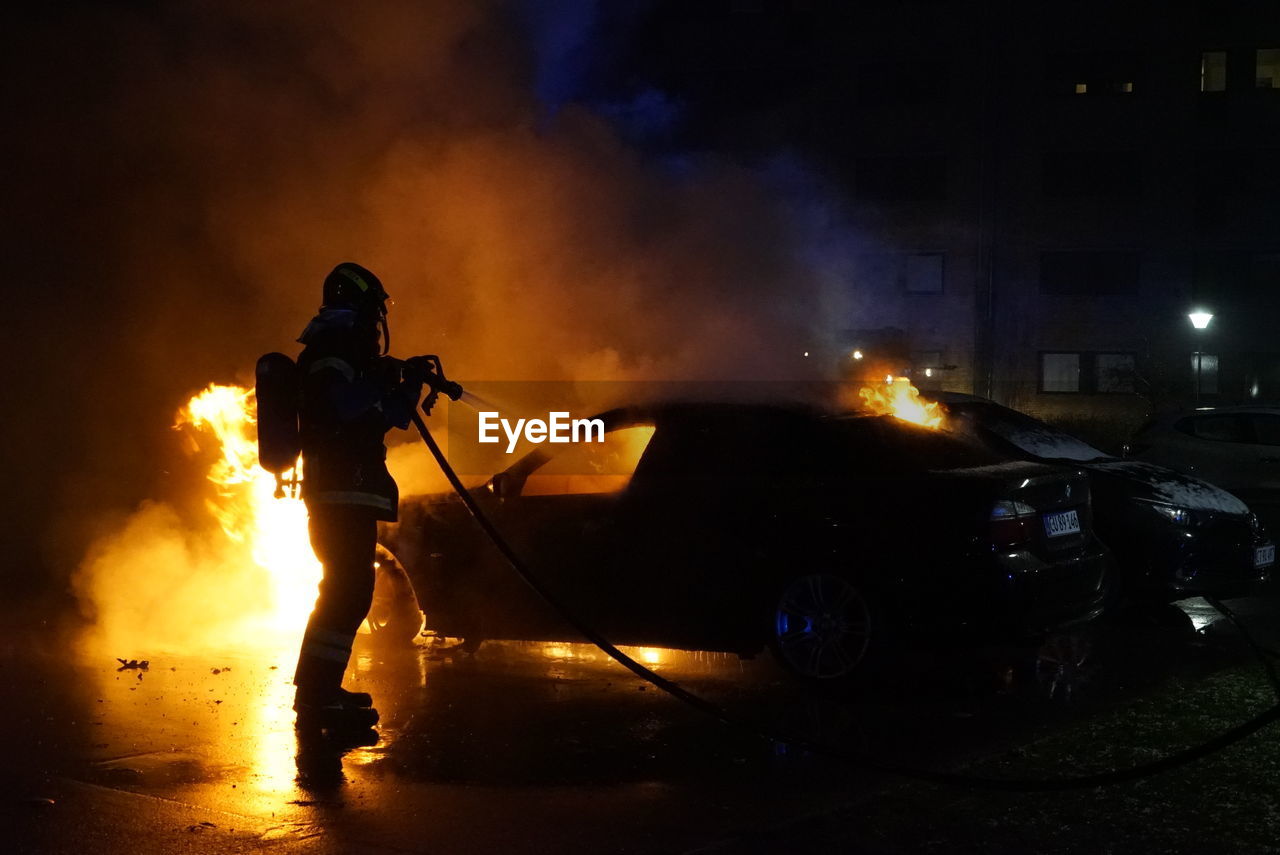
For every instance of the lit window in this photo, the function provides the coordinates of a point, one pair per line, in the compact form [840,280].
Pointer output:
[1204,373]
[1213,71]
[924,273]
[1267,69]
[1082,88]
[1127,87]
[1060,372]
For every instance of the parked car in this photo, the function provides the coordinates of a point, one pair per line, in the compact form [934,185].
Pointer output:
[1237,448]
[735,527]
[1173,535]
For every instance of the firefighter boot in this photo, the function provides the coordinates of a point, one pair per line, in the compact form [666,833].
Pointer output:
[320,700]
[356,699]
[335,711]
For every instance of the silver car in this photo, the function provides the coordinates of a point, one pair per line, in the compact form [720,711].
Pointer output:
[1237,448]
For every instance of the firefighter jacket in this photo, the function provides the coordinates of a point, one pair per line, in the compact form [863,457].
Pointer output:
[350,398]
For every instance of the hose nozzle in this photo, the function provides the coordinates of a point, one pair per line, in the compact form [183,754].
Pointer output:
[451,390]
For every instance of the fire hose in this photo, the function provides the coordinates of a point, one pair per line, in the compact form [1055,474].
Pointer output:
[1022,785]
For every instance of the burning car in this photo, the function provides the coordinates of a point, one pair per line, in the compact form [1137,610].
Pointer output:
[1174,535]
[829,539]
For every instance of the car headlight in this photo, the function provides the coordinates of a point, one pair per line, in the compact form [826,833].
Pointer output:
[1173,513]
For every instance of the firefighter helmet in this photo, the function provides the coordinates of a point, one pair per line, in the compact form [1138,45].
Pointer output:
[351,286]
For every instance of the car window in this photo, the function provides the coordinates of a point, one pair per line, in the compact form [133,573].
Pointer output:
[591,467]
[1032,436]
[756,444]
[1219,427]
[1266,428]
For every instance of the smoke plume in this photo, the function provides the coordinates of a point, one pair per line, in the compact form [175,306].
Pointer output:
[189,171]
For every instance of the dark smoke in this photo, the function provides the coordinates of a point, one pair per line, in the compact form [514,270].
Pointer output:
[183,175]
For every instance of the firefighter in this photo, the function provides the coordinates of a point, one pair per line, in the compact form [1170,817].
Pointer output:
[351,394]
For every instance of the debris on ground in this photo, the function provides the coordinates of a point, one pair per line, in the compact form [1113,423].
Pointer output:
[133,664]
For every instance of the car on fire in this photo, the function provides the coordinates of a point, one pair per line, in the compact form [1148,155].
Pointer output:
[828,539]
[1173,535]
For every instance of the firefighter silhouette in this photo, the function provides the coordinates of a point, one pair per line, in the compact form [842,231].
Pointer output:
[350,393]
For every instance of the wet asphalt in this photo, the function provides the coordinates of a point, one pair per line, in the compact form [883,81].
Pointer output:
[537,747]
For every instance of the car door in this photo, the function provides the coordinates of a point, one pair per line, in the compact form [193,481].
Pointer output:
[563,516]
[1264,452]
[558,513]
[1212,446]
[698,515]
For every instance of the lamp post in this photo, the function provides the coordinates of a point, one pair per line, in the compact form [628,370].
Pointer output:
[1200,321]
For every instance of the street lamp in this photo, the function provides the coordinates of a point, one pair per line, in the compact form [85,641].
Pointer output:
[1200,320]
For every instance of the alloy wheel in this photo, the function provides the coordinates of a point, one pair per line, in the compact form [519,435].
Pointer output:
[822,626]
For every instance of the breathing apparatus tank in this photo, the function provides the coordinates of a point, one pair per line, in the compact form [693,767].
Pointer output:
[279,439]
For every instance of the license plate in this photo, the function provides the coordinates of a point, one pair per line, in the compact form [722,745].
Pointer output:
[1264,556]
[1065,522]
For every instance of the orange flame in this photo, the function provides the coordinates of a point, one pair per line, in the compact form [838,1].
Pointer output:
[897,397]
[273,532]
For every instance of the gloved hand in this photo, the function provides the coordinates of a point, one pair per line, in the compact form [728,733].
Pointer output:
[388,372]
[432,373]
[418,368]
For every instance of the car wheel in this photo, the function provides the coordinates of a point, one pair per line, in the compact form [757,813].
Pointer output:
[394,617]
[824,627]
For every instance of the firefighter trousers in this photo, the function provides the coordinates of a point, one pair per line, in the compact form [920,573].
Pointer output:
[344,538]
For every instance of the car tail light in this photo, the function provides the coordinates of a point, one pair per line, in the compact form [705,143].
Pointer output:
[1011,523]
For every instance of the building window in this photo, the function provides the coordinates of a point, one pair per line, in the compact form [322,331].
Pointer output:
[878,272]
[1089,273]
[916,273]
[1088,373]
[1095,73]
[1113,373]
[924,273]
[1204,373]
[901,178]
[1213,71]
[1108,174]
[1059,372]
[1267,69]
